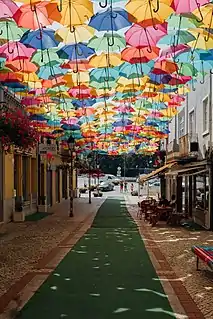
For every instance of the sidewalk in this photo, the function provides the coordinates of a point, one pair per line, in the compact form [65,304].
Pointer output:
[23,245]
[108,273]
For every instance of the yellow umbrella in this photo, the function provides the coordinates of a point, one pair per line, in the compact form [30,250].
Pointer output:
[206,12]
[36,110]
[105,60]
[138,81]
[170,112]
[204,40]
[75,12]
[162,97]
[29,77]
[81,33]
[149,11]
[81,77]
[62,94]
[128,88]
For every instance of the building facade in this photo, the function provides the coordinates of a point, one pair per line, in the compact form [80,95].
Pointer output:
[30,181]
[189,146]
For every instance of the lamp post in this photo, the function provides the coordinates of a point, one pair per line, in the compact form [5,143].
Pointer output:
[71,143]
[89,182]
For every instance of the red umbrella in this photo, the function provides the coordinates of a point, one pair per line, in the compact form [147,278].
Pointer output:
[44,13]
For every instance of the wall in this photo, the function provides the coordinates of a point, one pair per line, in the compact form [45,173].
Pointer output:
[8,186]
[194,101]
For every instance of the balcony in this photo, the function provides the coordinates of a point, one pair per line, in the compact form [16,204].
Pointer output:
[188,145]
[172,150]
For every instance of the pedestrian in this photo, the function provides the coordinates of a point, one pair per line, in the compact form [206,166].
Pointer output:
[132,188]
[121,186]
[125,187]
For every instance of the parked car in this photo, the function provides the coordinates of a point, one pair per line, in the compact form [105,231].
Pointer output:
[111,178]
[106,186]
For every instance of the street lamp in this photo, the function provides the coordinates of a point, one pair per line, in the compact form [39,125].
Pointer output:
[71,143]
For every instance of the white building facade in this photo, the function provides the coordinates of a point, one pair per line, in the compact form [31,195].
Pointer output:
[188,143]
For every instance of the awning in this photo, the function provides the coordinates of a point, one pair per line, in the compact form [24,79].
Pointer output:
[157,172]
[189,170]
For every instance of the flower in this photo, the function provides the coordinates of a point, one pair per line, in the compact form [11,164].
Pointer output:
[16,129]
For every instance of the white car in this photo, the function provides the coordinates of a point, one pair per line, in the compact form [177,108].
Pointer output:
[111,178]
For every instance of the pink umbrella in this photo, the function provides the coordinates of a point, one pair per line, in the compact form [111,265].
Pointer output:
[70,121]
[138,36]
[30,101]
[8,9]
[172,51]
[125,109]
[38,91]
[187,6]
[15,50]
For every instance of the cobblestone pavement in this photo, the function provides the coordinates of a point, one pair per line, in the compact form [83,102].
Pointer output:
[23,245]
[175,245]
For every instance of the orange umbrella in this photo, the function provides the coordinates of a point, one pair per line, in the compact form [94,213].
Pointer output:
[23,65]
[139,55]
[164,67]
[54,82]
[38,15]
[82,65]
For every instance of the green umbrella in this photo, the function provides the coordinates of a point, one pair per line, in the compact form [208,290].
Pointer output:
[68,106]
[103,85]
[41,57]
[187,69]
[182,22]
[57,89]
[101,44]
[177,37]
[10,31]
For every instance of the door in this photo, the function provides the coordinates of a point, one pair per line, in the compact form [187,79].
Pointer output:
[57,185]
[49,188]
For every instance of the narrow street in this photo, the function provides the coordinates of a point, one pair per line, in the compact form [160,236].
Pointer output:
[107,272]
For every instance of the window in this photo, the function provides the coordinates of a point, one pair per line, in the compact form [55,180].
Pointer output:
[192,123]
[181,125]
[205,114]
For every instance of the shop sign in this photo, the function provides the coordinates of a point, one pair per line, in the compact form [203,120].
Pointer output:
[47,148]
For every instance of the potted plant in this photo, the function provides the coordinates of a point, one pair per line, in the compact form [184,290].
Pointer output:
[18,214]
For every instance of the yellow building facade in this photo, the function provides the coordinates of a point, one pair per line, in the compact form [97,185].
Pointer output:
[26,188]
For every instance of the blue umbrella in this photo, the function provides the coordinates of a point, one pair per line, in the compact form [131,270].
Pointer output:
[103,74]
[39,118]
[78,51]
[155,78]
[110,20]
[70,127]
[133,71]
[47,71]
[40,39]
[83,103]
[14,85]
[122,123]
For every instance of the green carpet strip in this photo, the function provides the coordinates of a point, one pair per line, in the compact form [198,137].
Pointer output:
[108,274]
